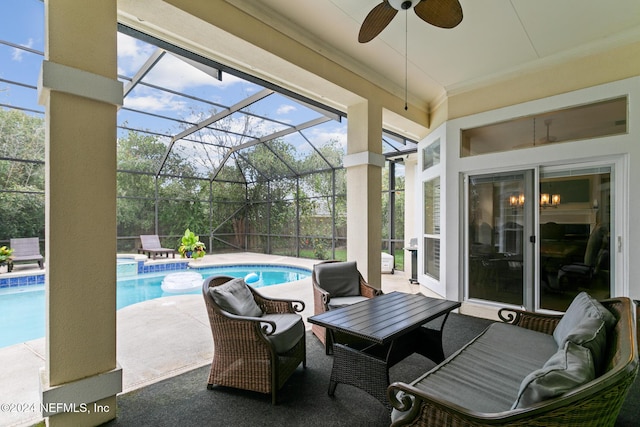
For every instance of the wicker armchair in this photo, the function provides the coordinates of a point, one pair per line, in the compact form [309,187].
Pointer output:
[324,298]
[249,353]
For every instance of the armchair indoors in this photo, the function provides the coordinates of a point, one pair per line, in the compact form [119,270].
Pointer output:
[26,250]
[596,261]
[337,284]
[258,342]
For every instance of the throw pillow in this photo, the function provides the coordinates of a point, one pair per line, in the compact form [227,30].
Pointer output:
[581,307]
[236,298]
[567,369]
[592,334]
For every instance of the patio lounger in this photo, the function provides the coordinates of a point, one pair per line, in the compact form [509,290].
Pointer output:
[151,246]
[26,251]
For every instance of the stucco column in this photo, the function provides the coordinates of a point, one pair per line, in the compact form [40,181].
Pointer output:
[80,91]
[364,163]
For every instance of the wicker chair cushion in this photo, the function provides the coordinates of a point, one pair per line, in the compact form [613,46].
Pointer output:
[592,334]
[482,377]
[569,368]
[581,307]
[344,301]
[289,330]
[340,279]
[235,297]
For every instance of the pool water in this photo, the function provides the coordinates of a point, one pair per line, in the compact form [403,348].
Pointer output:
[22,309]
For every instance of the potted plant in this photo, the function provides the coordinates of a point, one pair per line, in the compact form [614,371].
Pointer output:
[5,257]
[191,246]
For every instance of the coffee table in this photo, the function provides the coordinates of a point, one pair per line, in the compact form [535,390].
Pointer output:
[390,328]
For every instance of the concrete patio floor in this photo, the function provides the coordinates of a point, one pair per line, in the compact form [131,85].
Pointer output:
[159,338]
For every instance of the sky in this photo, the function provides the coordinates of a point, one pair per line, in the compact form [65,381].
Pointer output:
[146,108]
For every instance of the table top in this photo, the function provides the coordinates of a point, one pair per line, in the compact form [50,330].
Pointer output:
[386,317]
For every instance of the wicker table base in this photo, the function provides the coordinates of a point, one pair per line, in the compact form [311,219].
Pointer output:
[368,368]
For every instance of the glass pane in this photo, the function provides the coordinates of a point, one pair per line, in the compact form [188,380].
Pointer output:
[599,119]
[432,257]
[432,206]
[496,237]
[574,237]
[431,155]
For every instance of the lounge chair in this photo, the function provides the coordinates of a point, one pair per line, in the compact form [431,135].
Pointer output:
[151,246]
[25,251]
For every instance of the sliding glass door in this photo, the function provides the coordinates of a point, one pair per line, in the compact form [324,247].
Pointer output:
[575,225]
[499,226]
[538,249]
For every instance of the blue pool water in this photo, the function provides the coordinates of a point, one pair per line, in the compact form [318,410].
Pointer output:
[22,309]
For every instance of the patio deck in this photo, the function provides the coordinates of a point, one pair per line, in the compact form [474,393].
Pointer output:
[152,342]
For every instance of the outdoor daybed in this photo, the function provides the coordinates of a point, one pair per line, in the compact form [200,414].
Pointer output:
[534,369]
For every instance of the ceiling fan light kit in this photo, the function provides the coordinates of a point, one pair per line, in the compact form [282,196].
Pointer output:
[403,4]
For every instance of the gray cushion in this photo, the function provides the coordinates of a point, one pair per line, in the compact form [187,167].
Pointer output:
[581,307]
[289,330]
[481,377]
[592,334]
[344,301]
[236,298]
[567,369]
[340,279]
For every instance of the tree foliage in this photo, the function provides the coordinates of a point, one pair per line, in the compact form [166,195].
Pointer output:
[21,175]
[258,191]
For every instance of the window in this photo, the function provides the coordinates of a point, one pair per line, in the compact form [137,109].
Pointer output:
[432,228]
[603,118]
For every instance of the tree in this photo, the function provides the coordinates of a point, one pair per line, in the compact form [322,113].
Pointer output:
[21,175]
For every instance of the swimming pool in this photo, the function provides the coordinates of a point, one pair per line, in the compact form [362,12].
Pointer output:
[22,309]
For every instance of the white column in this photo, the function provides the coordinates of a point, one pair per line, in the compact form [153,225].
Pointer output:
[80,91]
[364,163]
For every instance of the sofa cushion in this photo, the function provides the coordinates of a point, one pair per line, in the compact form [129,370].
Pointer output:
[289,330]
[567,369]
[582,306]
[340,279]
[592,334]
[345,301]
[496,360]
[235,297]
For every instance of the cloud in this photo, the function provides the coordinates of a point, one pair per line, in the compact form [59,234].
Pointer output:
[154,102]
[17,54]
[285,109]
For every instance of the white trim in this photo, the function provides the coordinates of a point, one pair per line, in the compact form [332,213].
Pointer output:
[75,396]
[363,158]
[62,78]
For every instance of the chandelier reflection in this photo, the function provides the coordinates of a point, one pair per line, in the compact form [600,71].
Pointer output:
[546,200]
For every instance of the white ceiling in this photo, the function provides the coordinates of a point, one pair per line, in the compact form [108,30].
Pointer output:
[496,39]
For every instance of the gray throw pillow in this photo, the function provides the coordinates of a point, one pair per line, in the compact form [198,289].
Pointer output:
[567,369]
[581,307]
[236,298]
[591,333]
[340,279]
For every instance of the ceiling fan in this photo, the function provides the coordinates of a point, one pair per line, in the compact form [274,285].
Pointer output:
[441,13]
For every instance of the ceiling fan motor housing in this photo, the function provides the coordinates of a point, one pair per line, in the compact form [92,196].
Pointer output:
[403,4]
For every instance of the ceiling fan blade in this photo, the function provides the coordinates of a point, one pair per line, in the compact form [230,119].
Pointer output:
[441,13]
[376,21]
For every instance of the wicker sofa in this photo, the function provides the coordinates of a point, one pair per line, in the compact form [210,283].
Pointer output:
[509,374]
